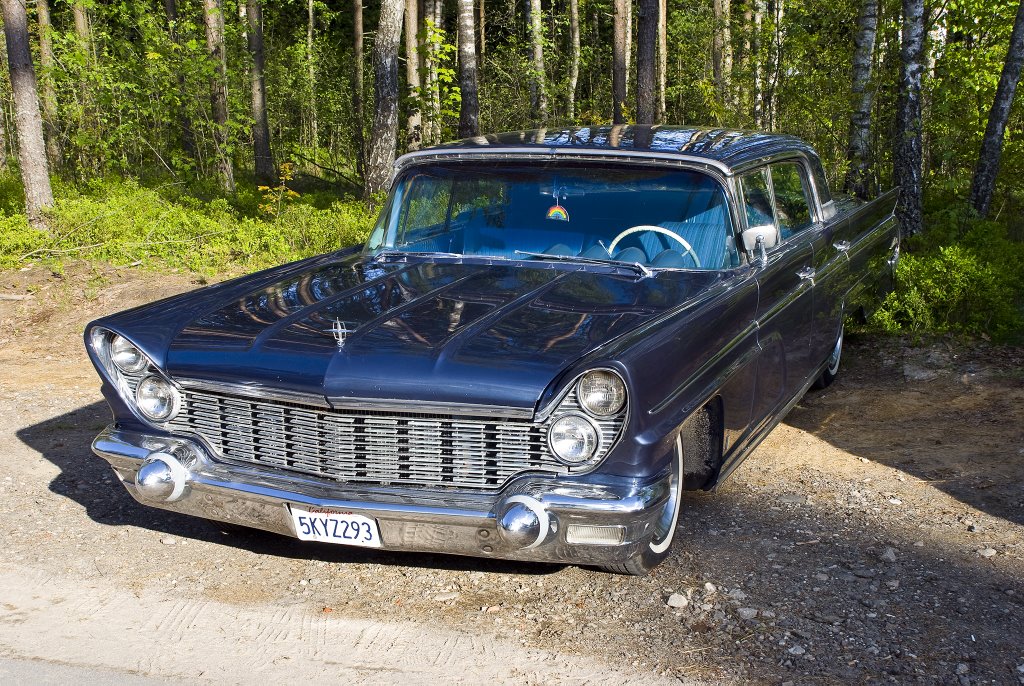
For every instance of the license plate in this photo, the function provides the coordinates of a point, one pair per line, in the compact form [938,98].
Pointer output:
[329,526]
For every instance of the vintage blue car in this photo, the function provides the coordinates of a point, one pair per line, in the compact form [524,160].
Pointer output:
[547,338]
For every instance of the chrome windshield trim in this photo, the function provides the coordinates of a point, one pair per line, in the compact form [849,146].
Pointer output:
[513,153]
[258,391]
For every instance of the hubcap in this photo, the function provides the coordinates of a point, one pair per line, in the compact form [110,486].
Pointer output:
[837,352]
[665,527]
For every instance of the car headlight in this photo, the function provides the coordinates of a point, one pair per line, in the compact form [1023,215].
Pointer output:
[601,393]
[126,356]
[157,399]
[573,439]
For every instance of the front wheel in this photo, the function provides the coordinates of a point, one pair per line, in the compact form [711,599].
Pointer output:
[657,549]
[832,365]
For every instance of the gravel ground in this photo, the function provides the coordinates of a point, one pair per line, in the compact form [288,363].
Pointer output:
[876,536]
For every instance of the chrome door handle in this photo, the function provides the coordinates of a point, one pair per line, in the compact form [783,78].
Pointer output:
[841,246]
[806,273]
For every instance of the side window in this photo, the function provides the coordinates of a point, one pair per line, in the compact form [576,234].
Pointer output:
[757,199]
[426,208]
[791,203]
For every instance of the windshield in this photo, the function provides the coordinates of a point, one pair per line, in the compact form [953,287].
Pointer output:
[658,218]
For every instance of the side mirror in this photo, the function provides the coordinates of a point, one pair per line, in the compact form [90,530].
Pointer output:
[759,239]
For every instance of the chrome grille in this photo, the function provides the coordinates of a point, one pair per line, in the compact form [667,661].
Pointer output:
[374,447]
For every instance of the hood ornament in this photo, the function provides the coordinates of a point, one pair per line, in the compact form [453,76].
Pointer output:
[340,332]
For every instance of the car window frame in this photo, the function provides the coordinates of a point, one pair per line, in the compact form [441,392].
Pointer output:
[810,194]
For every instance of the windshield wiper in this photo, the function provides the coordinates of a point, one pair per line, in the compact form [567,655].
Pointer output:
[640,269]
[416,253]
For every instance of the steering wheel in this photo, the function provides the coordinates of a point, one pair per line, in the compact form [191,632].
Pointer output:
[656,229]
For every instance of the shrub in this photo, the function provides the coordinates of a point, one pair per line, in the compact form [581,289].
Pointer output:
[972,284]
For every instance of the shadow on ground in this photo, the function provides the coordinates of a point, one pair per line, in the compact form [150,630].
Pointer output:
[829,607]
[961,431]
[89,481]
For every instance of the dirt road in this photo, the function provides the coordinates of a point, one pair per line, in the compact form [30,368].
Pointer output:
[878,535]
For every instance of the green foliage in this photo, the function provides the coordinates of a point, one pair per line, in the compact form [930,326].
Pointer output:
[965,277]
[124,223]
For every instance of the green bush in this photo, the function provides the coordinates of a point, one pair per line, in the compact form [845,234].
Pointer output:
[963,276]
[122,223]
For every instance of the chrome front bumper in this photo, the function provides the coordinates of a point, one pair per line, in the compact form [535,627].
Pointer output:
[498,524]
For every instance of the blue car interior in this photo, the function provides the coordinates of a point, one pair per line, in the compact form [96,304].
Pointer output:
[586,220]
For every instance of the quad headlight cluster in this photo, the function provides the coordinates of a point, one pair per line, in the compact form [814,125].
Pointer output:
[136,377]
[575,435]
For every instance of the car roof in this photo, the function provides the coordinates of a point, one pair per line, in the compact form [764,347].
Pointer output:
[728,150]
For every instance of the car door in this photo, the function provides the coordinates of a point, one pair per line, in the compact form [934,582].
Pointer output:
[785,299]
[829,245]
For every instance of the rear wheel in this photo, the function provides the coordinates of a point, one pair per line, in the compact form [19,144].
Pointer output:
[832,366]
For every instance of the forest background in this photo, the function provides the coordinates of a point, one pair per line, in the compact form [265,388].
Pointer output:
[221,136]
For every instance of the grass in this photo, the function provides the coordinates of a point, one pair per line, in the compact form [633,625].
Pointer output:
[171,224]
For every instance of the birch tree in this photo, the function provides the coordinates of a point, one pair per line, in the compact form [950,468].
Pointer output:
[384,137]
[858,148]
[620,57]
[35,173]
[722,51]
[469,110]
[538,85]
[907,171]
[984,182]
[662,60]
[574,56]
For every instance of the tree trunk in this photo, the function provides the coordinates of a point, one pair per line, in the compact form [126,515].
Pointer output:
[314,127]
[264,158]
[357,86]
[188,142]
[4,136]
[984,182]
[620,57]
[778,10]
[385,88]
[414,133]
[538,85]
[574,57]
[646,44]
[49,99]
[469,111]
[722,52]
[858,149]
[432,88]
[213,17]
[662,60]
[483,32]
[907,170]
[35,174]
[756,53]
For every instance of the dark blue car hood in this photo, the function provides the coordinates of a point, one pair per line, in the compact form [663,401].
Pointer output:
[420,331]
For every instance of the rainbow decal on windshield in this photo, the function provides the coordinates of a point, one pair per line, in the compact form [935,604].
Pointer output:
[558,213]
